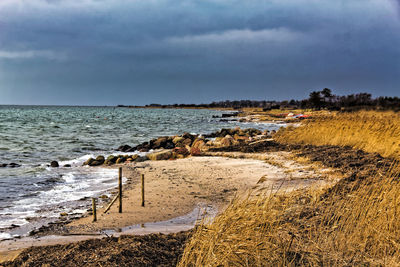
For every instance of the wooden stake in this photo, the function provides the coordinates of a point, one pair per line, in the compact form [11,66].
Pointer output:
[120,189]
[142,190]
[111,203]
[94,209]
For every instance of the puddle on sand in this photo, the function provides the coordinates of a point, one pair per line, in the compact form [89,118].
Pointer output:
[182,223]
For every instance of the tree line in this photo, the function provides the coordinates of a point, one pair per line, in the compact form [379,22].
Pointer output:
[317,100]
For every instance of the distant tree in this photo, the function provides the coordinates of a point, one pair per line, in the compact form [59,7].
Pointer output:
[315,100]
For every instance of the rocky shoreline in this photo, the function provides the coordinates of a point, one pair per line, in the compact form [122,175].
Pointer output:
[181,146]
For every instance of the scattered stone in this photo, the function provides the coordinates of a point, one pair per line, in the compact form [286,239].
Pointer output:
[54,164]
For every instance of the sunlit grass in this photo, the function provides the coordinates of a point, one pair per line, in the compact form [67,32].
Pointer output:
[314,227]
[370,131]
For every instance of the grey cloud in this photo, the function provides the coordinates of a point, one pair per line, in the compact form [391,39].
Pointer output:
[272,48]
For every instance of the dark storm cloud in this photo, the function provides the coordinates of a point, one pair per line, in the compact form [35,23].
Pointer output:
[169,51]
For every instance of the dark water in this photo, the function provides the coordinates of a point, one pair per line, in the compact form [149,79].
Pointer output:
[33,136]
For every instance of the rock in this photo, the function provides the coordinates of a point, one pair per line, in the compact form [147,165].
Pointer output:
[161,155]
[240,138]
[124,148]
[198,146]
[54,164]
[95,162]
[67,166]
[195,151]
[169,145]
[3,165]
[178,139]
[160,142]
[63,214]
[141,159]
[144,150]
[181,151]
[89,161]
[120,160]
[227,140]
[187,142]
[112,158]
[14,165]
[100,159]
[134,157]
[188,135]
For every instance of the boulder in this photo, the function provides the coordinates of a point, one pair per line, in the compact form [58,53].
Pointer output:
[94,162]
[124,148]
[111,160]
[188,135]
[67,166]
[88,161]
[187,142]
[227,140]
[54,164]
[198,146]
[100,159]
[169,145]
[141,159]
[134,157]
[120,160]
[160,142]
[3,165]
[178,139]
[181,151]
[160,155]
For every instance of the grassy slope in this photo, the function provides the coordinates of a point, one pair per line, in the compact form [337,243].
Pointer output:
[316,227]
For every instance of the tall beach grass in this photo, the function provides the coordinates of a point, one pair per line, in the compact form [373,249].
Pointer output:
[314,227]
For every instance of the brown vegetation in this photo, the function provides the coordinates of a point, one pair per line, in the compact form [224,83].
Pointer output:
[354,222]
[369,131]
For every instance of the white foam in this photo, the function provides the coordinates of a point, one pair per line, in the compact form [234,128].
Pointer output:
[5,236]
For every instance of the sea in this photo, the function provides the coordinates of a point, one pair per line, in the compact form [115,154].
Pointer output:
[35,194]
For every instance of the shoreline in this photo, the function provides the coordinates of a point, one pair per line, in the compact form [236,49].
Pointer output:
[180,185]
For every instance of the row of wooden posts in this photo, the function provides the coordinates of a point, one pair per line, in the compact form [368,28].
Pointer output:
[118,196]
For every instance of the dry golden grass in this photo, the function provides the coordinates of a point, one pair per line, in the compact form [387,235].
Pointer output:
[370,131]
[304,228]
[315,227]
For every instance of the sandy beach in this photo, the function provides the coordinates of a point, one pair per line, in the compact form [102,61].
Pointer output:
[175,188]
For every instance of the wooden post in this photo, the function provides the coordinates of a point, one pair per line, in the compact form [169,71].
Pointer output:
[120,189]
[94,209]
[142,190]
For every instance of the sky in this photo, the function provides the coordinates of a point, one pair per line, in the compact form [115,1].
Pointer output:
[137,52]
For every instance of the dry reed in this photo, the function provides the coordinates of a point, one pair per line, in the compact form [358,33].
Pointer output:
[370,131]
[314,227]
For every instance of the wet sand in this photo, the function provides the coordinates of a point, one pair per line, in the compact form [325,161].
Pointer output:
[175,188]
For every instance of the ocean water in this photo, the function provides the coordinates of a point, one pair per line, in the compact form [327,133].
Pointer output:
[33,136]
